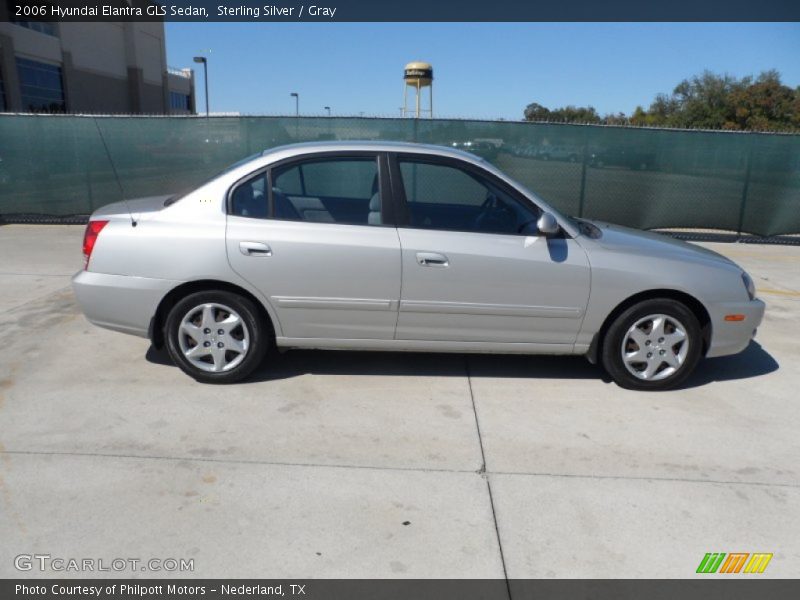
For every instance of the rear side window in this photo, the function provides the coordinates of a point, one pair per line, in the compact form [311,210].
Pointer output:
[330,178]
[328,190]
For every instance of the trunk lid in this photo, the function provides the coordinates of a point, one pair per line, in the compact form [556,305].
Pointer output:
[137,208]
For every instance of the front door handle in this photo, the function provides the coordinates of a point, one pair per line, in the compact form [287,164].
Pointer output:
[255,249]
[432,259]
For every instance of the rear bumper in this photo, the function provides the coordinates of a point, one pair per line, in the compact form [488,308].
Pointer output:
[731,337]
[120,302]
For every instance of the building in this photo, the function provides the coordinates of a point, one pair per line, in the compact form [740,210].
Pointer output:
[180,88]
[89,68]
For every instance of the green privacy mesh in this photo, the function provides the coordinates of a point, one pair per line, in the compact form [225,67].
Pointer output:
[645,178]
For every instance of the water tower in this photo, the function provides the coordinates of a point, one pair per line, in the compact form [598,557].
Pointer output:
[418,75]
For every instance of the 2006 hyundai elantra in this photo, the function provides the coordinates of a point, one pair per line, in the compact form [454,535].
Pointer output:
[392,246]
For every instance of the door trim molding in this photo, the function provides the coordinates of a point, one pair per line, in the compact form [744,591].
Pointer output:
[499,310]
[314,302]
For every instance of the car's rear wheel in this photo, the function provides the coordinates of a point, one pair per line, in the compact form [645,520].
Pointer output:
[653,345]
[216,336]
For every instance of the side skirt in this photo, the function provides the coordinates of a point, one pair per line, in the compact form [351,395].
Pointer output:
[430,346]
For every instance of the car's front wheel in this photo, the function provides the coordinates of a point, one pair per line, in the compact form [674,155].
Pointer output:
[216,336]
[653,345]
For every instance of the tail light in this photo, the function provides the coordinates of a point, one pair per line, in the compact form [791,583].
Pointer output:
[93,229]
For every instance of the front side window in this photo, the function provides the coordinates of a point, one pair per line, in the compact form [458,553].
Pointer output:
[41,86]
[441,196]
[328,190]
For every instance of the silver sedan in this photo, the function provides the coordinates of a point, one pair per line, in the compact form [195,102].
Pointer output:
[393,246]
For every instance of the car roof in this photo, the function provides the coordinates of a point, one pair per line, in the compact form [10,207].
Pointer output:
[369,145]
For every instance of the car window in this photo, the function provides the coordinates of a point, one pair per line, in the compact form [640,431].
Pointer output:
[249,199]
[441,196]
[340,178]
[439,184]
[328,190]
[291,183]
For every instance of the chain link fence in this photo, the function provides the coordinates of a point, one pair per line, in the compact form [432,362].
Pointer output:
[58,167]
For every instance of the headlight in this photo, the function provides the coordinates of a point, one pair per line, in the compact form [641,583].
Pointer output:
[749,285]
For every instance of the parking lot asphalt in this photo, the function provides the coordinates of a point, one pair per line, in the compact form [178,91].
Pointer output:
[386,465]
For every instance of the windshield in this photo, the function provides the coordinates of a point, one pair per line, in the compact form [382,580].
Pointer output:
[237,164]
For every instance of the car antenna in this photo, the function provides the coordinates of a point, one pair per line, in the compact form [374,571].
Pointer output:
[114,170]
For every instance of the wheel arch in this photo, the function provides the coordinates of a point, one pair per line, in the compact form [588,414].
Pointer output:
[156,328]
[688,300]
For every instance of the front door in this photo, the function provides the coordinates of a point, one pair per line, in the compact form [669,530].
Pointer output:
[474,267]
[309,234]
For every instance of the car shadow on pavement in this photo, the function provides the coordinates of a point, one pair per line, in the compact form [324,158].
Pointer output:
[293,363]
[752,362]
[423,364]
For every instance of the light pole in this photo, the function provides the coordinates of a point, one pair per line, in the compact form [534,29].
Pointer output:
[296,97]
[328,108]
[202,59]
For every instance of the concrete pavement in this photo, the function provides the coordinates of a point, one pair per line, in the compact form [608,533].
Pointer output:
[387,465]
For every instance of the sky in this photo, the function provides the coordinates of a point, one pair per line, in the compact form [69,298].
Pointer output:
[481,70]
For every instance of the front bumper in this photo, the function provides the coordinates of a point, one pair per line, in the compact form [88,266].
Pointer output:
[731,337]
[120,302]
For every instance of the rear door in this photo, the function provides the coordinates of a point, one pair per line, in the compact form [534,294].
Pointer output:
[314,235]
[474,267]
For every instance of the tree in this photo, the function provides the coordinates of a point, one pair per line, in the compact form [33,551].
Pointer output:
[536,112]
[708,101]
[578,114]
[766,104]
[704,101]
[567,114]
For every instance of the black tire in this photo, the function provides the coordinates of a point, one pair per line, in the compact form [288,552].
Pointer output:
[259,336]
[618,333]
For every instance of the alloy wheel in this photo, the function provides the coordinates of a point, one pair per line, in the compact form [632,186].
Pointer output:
[213,337]
[655,347]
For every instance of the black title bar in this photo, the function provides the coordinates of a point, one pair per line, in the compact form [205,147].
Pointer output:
[269,11]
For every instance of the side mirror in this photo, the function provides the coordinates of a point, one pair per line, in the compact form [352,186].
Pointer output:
[547,224]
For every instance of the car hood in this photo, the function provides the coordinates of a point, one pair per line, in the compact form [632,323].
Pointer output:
[635,241]
[137,207]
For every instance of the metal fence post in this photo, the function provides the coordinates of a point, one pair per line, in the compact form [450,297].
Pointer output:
[585,160]
[89,196]
[248,123]
[746,186]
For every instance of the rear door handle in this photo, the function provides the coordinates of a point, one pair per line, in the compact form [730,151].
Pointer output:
[432,259]
[255,249]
